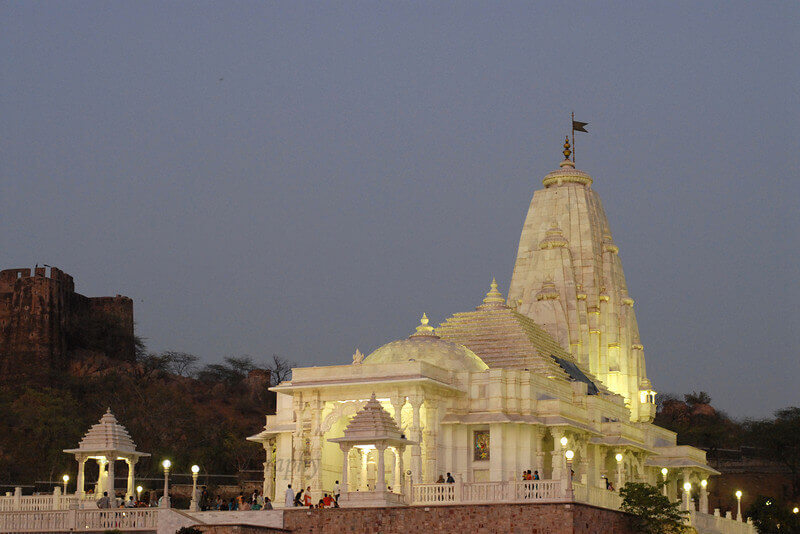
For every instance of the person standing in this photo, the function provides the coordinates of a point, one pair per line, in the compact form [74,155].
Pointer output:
[336,491]
[289,498]
[307,497]
[104,501]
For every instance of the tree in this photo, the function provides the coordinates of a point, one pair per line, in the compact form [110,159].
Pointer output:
[779,439]
[653,512]
[771,516]
[280,369]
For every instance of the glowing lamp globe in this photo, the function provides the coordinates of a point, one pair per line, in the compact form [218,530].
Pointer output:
[564,441]
[664,471]
[687,486]
[65,478]
[570,455]
[195,469]
[166,464]
[618,457]
[738,494]
[795,510]
[704,483]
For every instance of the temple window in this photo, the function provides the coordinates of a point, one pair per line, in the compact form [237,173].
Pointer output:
[481,445]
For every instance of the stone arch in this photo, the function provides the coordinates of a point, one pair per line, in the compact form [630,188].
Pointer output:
[345,409]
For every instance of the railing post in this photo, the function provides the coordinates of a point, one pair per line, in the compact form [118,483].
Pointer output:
[56,498]
[72,519]
[459,487]
[18,498]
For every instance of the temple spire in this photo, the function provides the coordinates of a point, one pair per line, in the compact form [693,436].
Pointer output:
[423,329]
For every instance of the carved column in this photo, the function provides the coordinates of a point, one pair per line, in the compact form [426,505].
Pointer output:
[398,401]
[380,483]
[110,479]
[557,456]
[345,466]
[432,470]
[537,449]
[364,460]
[131,481]
[268,488]
[79,489]
[416,435]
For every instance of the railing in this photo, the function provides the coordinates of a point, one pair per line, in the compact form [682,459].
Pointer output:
[41,503]
[83,520]
[597,496]
[33,521]
[714,523]
[488,492]
[124,519]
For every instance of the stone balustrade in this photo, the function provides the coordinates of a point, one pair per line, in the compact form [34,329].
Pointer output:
[513,491]
[83,520]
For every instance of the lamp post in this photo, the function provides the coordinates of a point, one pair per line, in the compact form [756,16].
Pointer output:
[664,473]
[165,499]
[139,493]
[738,505]
[65,478]
[687,494]
[569,455]
[193,504]
[618,458]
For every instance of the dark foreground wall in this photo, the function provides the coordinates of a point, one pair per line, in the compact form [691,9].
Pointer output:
[477,519]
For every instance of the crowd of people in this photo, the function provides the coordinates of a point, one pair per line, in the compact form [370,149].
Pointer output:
[303,498]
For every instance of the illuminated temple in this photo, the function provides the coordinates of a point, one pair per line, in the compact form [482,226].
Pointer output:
[491,392]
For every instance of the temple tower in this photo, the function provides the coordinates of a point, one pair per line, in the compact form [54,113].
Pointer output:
[568,278]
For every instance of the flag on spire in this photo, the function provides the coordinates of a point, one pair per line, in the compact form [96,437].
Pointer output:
[579,126]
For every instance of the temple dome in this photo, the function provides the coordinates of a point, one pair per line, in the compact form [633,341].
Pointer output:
[425,346]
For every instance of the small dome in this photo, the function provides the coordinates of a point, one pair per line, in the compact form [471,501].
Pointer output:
[425,346]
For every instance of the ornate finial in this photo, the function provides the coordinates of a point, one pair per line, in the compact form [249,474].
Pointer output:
[358,357]
[494,296]
[567,151]
[423,329]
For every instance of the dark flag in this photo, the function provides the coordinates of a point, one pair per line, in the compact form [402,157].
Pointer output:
[579,126]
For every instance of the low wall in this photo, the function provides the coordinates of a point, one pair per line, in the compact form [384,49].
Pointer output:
[505,518]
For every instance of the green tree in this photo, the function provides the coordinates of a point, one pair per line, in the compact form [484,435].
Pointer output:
[773,517]
[779,439]
[652,511]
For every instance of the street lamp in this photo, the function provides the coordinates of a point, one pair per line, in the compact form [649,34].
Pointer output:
[738,505]
[165,498]
[564,441]
[569,455]
[65,478]
[193,504]
[139,493]
[664,473]
[795,510]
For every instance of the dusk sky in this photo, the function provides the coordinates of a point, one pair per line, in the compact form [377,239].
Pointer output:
[306,179]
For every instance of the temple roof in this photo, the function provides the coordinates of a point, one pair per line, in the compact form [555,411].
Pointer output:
[105,437]
[372,424]
[424,345]
[501,337]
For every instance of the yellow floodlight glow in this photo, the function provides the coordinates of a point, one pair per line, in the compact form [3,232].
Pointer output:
[65,478]
[687,486]
[738,494]
[704,483]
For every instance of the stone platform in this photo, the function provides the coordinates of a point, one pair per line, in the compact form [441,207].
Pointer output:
[480,519]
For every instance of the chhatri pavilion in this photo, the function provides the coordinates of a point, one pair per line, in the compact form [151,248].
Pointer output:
[491,392]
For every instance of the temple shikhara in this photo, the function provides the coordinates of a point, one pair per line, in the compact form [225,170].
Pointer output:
[550,378]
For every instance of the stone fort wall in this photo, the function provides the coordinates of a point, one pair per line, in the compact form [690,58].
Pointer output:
[37,311]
